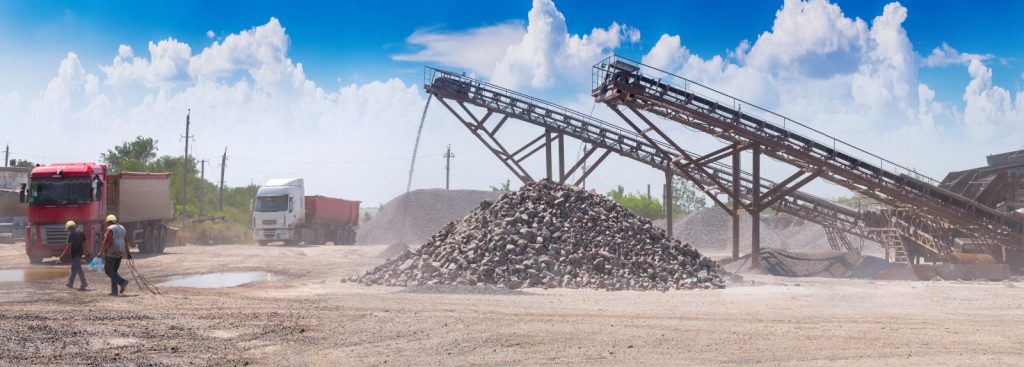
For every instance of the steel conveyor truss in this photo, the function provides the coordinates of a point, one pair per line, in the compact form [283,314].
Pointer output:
[623,83]
[456,92]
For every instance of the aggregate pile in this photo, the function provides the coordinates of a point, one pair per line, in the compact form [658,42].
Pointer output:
[411,218]
[710,229]
[549,235]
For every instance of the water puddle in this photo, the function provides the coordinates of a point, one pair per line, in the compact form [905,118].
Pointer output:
[33,275]
[220,280]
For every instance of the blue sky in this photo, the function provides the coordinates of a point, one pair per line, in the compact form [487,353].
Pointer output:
[353,41]
[343,79]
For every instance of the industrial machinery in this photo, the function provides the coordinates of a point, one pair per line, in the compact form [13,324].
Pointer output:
[86,193]
[282,212]
[918,220]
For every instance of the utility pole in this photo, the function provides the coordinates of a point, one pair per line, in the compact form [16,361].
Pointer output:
[223,161]
[447,165]
[7,155]
[202,180]
[184,164]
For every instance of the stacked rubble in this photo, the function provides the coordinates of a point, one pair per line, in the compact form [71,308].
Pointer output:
[549,235]
[413,217]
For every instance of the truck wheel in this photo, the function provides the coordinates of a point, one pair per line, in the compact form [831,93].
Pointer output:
[161,242]
[35,259]
[261,243]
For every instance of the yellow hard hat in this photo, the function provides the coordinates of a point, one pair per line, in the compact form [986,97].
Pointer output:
[69,224]
[111,218]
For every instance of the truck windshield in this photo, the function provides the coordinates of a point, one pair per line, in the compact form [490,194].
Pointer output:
[56,192]
[272,203]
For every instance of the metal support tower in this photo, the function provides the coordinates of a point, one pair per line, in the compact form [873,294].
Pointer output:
[496,106]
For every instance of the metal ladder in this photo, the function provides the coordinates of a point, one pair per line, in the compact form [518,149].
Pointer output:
[894,245]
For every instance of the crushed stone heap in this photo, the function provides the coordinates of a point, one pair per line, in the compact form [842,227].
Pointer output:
[411,218]
[549,235]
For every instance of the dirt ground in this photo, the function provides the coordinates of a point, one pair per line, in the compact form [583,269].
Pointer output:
[313,318]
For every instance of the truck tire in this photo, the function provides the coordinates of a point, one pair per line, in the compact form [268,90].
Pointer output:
[161,239]
[35,259]
[345,237]
[147,245]
[261,243]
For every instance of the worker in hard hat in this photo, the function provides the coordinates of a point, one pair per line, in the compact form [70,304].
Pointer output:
[75,249]
[115,246]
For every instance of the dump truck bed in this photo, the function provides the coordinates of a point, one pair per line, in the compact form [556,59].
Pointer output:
[328,210]
[138,196]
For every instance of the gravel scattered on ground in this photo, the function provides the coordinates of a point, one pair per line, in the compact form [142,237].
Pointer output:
[413,217]
[711,229]
[549,235]
[462,289]
[828,264]
[393,250]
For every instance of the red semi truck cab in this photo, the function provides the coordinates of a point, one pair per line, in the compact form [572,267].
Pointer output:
[86,193]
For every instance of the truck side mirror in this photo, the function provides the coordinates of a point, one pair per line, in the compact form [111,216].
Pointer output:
[22,197]
[290,205]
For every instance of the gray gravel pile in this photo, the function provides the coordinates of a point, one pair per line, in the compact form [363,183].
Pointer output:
[711,229]
[414,216]
[549,235]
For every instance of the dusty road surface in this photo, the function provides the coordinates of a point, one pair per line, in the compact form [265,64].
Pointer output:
[313,318]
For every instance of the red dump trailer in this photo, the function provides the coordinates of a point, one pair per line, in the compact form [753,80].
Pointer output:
[327,210]
[336,218]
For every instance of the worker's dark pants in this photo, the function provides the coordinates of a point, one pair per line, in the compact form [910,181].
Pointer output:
[76,269]
[110,266]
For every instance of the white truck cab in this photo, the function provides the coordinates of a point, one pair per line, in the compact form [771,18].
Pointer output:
[278,209]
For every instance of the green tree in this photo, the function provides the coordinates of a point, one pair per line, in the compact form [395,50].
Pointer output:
[639,204]
[687,196]
[131,156]
[503,187]
[22,163]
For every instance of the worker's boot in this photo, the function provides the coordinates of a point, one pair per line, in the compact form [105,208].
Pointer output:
[124,285]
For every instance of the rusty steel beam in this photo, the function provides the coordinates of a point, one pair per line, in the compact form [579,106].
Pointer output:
[493,145]
[781,190]
[614,139]
[671,157]
[755,202]
[625,82]
[587,152]
[736,203]
[589,170]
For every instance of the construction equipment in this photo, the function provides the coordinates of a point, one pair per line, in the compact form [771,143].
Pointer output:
[928,218]
[455,91]
[282,212]
[86,193]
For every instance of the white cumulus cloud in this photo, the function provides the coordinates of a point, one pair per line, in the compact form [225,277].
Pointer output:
[945,55]
[547,52]
[476,50]
[990,109]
